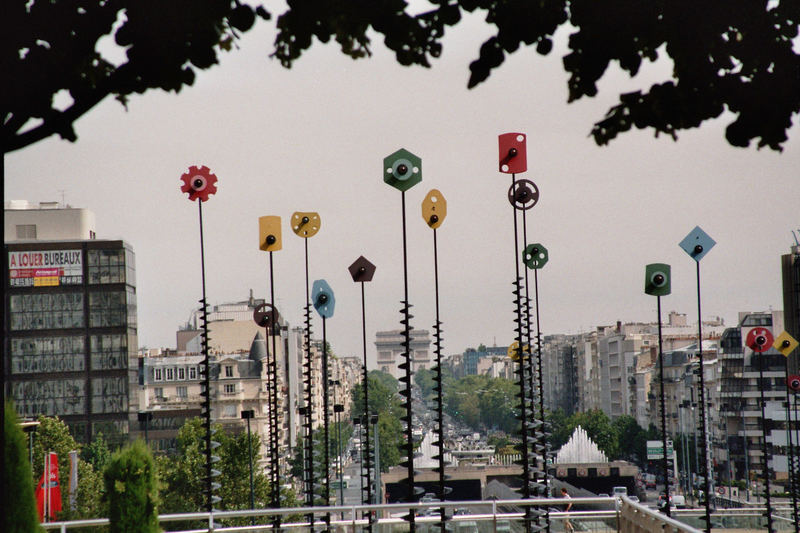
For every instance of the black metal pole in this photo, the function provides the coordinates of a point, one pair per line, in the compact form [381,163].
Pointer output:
[526,477]
[250,457]
[536,376]
[275,482]
[764,444]
[796,455]
[793,488]
[326,421]
[366,454]
[664,461]
[308,367]
[439,391]
[703,420]
[406,321]
[206,371]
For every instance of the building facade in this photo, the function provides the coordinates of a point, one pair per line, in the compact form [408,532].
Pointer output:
[741,402]
[70,322]
[790,271]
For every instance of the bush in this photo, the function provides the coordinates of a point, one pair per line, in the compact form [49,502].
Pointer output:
[19,505]
[132,490]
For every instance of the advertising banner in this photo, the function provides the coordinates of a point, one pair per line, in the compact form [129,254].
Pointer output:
[48,490]
[49,268]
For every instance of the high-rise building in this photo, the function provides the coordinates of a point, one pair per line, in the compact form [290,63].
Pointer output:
[740,408]
[790,269]
[70,320]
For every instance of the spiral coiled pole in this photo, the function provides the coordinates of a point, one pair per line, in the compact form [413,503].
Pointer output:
[402,170]
[362,271]
[434,210]
[199,183]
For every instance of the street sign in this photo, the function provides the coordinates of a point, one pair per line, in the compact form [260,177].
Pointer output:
[655,450]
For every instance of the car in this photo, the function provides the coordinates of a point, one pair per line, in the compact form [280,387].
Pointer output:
[603,495]
[503,526]
[469,526]
[619,491]
[634,499]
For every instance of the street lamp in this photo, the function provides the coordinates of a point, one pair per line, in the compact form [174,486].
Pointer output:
[247,415]
[339,408]
[144,418]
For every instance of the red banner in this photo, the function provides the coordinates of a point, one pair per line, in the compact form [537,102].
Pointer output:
[48,490]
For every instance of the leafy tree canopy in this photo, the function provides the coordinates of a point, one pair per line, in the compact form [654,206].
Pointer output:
[385,401]
[737,56]
[52,435]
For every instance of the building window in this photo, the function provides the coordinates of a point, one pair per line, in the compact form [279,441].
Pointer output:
[157,375]
[230,389]
[181,374]
[47,354]
[170,374]
[106,266]
[229,411]
[109,394]
[52,397]
[192,372]
[159,393]
[46,311]
[26,231]
[182,392]
[228,371]
[109,351]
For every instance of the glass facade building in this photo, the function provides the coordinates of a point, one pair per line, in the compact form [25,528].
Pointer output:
[70,342]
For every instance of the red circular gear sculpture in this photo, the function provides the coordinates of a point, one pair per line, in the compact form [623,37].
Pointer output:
[199,183]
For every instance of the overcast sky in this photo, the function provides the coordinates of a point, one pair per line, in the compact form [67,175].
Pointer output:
[313,138]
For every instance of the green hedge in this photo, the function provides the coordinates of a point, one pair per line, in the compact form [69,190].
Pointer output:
[19,505]
[132,490]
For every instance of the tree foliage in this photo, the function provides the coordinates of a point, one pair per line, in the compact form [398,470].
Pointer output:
[622,438]
[53,435]
[182,488]
[482,402]
[132,490]
[735,57]
[52,46]
[385,402]
[19,505]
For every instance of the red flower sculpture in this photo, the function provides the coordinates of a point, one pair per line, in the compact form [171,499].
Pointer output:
[199,183]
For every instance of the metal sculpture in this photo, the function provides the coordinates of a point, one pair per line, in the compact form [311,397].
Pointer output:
[324,303]
[305,225]
[657,283]
[402,170]
[760,340]
[786,344]
[535,257]
[269,240]
[362,272]
[434,211]
[523,195]
[200,183]
[697,244]
[267,317]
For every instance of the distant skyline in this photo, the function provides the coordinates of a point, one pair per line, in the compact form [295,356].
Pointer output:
[313,138]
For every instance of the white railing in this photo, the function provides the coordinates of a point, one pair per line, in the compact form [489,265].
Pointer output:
[491,516]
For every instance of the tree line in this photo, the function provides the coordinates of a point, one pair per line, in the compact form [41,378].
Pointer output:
[489,405]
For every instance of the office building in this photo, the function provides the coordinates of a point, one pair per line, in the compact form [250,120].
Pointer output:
[70,321]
